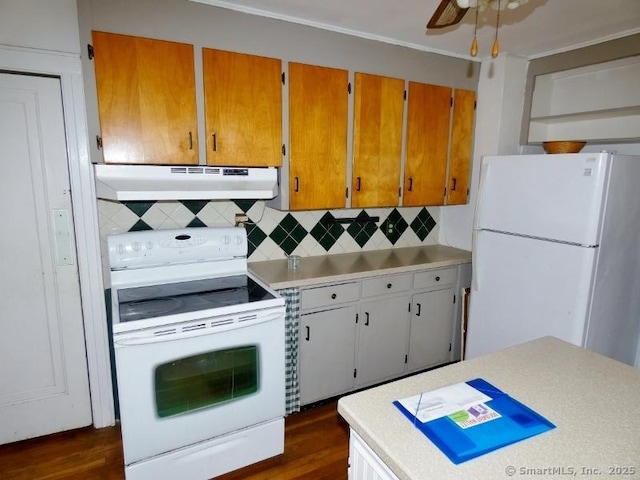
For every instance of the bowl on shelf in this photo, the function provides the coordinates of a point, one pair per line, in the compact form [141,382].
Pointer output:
[563,146]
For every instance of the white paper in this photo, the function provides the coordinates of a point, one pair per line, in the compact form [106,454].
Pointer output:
[444,401]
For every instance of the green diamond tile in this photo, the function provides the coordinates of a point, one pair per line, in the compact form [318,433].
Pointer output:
[139,208]
[255,236]
[140,225]
[326,232]
[394,226]
[196,222]
[288,233]
[245,205]
[194,205]
[423,224]
[362,231]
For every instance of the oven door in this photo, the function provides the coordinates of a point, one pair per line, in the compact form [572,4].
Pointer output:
[183,384]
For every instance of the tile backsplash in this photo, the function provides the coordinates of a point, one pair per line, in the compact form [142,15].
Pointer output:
[274,234]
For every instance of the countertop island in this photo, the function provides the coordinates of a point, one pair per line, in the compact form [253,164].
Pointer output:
[350,266]
[592,400]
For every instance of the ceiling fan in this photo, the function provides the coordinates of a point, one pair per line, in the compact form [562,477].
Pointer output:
[447,13]
[451,12]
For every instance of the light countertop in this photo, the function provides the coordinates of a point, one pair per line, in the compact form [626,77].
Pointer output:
[350,266]
[592,400]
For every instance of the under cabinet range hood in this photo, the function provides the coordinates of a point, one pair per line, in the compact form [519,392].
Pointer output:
[156,182]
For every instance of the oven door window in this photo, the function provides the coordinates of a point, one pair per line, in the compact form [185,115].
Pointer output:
[206,380]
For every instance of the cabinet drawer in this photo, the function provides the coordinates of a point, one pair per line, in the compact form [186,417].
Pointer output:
[385,285]
[434,278]
[329,295]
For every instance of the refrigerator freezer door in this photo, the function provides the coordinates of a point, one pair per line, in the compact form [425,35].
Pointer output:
[557,197]
[524,289]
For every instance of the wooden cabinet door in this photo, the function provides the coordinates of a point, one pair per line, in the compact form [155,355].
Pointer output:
[427,146]
[464,102]
[327,345]
[317,137]
[377,141]
[146,100]
[431,328]
[382,339]
[243,109]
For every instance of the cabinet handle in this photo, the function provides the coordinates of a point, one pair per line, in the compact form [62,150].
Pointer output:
[389,285]
[215,144]
[366,314]
[437,279]
[190,141]
[410,184]
[419,308]
[297,185]
[359,184]
[333,296]
[453,184]
[308,333]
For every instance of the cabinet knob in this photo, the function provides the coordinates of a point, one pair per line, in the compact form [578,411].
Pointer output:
[437,279]
[389,285]
[333,296]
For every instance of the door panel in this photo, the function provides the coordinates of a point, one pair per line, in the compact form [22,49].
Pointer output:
[243,109]
[377,140]
[428,117]
[431,328]
[327,344]
[318,137]
[461,144]
[43,371]
[524,289]
[146,100]
[548,196]
[383,337]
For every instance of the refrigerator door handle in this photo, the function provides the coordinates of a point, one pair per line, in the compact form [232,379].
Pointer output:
[484,172]
[474,264]
[475,268]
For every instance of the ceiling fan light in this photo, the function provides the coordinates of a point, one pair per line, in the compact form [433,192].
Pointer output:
[515,4]
[467,3]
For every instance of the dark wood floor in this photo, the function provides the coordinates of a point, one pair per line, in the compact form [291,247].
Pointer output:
[316,448]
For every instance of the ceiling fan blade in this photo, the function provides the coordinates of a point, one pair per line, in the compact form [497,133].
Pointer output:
[448,13]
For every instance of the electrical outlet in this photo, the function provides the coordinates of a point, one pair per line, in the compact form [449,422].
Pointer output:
[241,219]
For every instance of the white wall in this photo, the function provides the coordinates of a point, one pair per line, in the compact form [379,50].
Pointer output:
[501,89]
[44,24]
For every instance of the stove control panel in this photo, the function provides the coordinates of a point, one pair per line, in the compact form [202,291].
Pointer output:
[165,247]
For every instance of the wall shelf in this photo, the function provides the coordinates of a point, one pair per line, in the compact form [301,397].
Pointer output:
[599,102]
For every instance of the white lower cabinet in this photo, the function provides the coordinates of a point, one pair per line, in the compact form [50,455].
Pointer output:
[431,325]
[383,332]
[364,464]
[358,333]
[326,354]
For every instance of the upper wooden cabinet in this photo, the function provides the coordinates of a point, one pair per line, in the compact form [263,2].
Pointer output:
[377,141]
[439,145]
[427,147]
[243,109]
[146,100]
[464,106]
[318,98]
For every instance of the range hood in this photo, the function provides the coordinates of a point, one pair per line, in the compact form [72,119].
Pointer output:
[156,182]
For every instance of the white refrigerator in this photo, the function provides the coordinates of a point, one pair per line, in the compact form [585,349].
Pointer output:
[556,251]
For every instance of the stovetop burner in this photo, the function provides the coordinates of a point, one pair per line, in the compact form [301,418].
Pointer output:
[169,299]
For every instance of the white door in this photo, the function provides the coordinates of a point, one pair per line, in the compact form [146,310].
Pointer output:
[43,368]
[327,353]
[382,339]
[431,328]
[524,289]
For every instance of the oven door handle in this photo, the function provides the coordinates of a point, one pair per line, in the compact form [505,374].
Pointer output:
[206,327]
